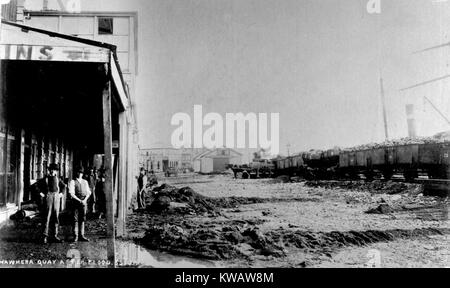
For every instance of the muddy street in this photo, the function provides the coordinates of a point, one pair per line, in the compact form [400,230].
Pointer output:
[274,223]
[216,221]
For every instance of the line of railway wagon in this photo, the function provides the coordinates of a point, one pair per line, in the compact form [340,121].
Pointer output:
[410,160]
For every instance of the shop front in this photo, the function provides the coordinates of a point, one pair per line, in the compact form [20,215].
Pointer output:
[63,101]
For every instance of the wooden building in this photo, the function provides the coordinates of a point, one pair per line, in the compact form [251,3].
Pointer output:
[64,100]
[216,160]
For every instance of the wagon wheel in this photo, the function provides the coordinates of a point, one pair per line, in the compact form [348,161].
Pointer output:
[353,175]
[387,174]
[410,175]
[369,175]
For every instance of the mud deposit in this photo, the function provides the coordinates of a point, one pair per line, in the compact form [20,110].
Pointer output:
[388,187]
[253,231]
[161,198]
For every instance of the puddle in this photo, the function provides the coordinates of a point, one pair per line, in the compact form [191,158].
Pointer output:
[131,254]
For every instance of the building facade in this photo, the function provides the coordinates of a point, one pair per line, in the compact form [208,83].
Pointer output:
[67,97]
[160,159]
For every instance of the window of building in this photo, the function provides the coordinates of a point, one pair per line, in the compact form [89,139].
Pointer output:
[12,171]
[8,170]
[105,26]
[33,159]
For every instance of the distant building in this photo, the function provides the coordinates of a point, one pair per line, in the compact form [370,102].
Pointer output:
[216,160]
[159,159]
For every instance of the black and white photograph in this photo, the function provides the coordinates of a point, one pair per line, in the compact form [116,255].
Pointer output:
[224,134]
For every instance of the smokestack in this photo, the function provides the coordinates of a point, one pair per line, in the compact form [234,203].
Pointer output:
[45,5]
[412,131]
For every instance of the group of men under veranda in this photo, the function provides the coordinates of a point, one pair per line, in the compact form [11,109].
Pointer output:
[85,195]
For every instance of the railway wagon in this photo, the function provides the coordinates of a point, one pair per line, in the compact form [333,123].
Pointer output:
[413,159]
[279,165]
[433,159]
[383,160]
[352,163]
[313,160]
[332,156]
[287,165]
[378,161]
[298,165]
[444,161]
[297,161]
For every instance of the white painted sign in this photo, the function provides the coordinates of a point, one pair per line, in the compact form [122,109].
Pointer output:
[53,53]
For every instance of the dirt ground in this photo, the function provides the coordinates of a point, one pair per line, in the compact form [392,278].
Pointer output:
[217,221]
[269,223]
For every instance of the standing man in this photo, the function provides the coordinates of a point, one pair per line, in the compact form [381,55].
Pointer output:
[100,193]
[142,183]
[80,192]
[51,188]
[152,180]
[91,178]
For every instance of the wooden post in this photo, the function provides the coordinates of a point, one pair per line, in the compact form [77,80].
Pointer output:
[20,176]
[107,130]
[122,178]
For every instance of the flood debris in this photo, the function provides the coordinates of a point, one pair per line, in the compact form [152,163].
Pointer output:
[383,208]
[228,242]
[375,187]
[177,224]
[162,199]
[326,242]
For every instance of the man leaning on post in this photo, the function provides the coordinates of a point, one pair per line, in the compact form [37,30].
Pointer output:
[80,192]
[51,188]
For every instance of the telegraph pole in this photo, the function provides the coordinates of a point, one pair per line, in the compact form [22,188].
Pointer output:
[384,109]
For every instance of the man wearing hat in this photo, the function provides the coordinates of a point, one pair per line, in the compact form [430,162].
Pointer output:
[51,188]
[80,192]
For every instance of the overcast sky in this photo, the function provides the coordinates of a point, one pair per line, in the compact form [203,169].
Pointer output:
[316,62]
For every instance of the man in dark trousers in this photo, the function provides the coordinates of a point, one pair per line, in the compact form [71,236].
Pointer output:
[91,178]
[79,192]
[51,189]
[142,184]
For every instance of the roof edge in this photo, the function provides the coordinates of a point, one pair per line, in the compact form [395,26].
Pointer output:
[62,36]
